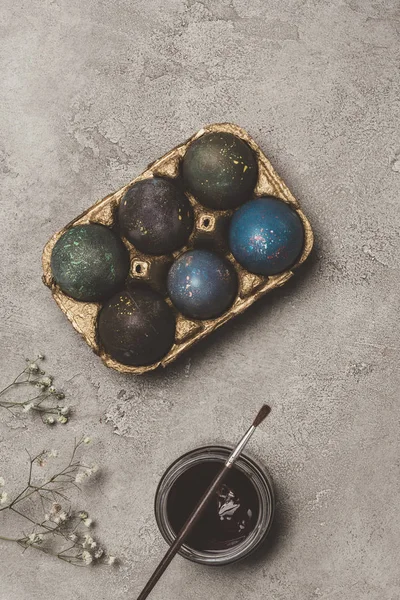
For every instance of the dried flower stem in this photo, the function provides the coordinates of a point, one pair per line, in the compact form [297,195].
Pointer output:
[59,531]
[43,402]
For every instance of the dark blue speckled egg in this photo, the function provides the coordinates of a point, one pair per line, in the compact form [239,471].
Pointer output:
[202,284]
[266,236]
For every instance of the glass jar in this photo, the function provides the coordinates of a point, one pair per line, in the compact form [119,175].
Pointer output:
[264,492]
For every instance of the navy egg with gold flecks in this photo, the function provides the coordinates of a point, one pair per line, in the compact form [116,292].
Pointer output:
[155,216]
[266,236]
[202,284]
[136,327]
[220,170]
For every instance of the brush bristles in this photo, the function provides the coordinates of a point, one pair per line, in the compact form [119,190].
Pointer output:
[262,414]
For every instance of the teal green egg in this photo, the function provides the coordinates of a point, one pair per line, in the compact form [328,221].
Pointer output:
[220,170]
[89,262]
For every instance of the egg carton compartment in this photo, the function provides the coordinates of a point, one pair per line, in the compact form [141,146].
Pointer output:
[209,231]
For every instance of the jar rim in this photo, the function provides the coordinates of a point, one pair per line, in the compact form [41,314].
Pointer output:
[261,482]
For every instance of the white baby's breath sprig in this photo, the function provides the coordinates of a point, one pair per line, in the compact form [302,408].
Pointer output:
[55,508]
[93,470]
[35,538]
[46,381]
[86,473]
[61,517]
[87,541]
[57,529]
[88,522]
[42,398]
[80,477]
[87,557]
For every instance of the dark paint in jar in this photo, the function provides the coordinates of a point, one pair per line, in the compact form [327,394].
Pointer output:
[238,518]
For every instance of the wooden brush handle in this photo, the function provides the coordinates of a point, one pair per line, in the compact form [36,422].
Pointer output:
[186,529]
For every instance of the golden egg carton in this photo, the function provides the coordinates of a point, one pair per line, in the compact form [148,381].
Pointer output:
[209,230]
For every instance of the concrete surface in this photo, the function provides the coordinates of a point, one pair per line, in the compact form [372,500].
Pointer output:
[91,91]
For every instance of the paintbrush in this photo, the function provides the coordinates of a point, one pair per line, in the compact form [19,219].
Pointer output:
[205,499]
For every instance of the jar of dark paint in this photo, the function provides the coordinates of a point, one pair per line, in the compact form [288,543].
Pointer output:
[237,520]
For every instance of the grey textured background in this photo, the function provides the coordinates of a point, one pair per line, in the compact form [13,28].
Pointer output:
[91,91]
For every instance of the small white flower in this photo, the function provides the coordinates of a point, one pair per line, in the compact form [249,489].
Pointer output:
[83,515]
[52,389]
[99,553]
[87,557]
[40,386]
[64,410]
[91,470]
[46,381]
[40,356]
[2,482]
[80,477]
[3,497]
[49,420]
[33,368]
[87,440]
[35,538]
[28,407]
[63,516]
[88,542]
[53,454]
[41,459]
[73,537]
[110,560]
[62,419]
[61,395]
[55,508]
[88,522]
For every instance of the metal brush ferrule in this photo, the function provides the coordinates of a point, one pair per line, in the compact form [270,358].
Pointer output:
[240,447]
